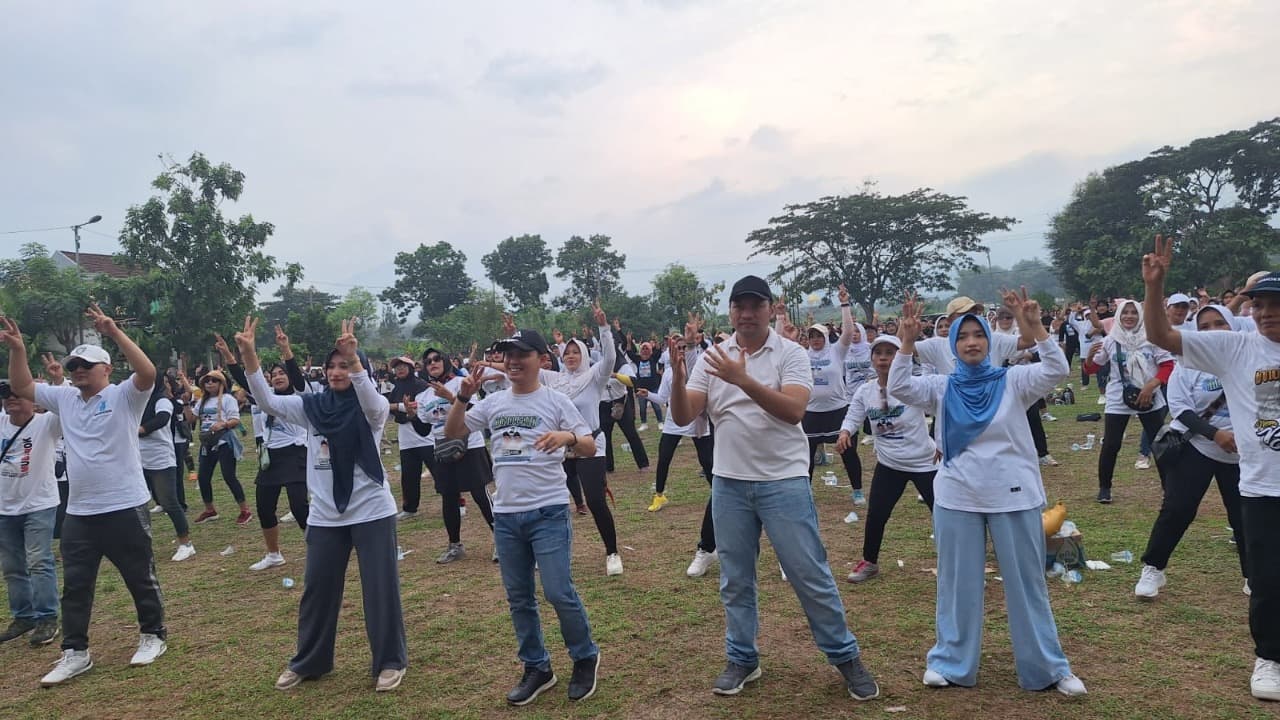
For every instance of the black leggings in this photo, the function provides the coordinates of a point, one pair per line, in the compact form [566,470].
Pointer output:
[852,463]
[1187,480]
[1037,430]
[412,460]
[267,498]
[225,457]
[474,470]
[1113,437]
[628,425]
[887,485]
[667,444]
[589,474]
[453,512]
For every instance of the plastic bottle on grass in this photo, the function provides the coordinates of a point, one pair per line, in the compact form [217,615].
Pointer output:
[1124,556]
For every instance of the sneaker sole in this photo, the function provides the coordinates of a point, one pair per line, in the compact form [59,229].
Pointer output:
[37,643]
[295,683]
[751,677]
[595,678]
[163,650]
[545,686]
[78,673]
[208,519]
[863,698]
[856,580]
[258,568]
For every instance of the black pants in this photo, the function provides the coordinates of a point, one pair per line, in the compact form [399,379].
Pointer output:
[222,456]
[64,491]
[628,425]
[185,465]
[1036,423]
[267,498]
[473,471]
[328,553]
[1113,437]
[412,460]
[852,463]
[589,473]
[887,485]
[1187,479]
[667,444]
[124,538]
[1071,349]
[1261,516]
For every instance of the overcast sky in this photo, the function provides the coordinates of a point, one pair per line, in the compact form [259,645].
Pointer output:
[675,126]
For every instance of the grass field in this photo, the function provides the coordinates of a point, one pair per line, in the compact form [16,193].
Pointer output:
[1188,654]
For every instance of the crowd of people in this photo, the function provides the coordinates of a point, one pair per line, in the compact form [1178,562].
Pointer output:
[953,405]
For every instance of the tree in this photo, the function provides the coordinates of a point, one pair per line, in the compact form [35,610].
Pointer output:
[477,320]
[984,284]
[592,268]
[47,301]
[204,268]
[677,291]
[306,314]
[519,266]
[1217,195]
[360,304]
[432,278]
[878,245]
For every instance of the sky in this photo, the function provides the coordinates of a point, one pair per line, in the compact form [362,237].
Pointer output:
[674,126]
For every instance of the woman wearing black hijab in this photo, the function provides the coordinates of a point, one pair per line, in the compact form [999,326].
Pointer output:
[351,507]
[416,446]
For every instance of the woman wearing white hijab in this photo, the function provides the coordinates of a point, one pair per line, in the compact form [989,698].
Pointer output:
[1137,369]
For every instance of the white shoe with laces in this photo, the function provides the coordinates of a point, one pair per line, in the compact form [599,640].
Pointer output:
[701,563]
[288,518]
[1247,590]
[1265,683]
[71,664]
[643,427]
[1072,686]
[270,560]
[1150,583]
[934,680]
[185,552]
[613,564]
[150,647]
[1143,463]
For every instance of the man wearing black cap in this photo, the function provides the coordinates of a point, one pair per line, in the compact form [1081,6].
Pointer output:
[530,426]
[1248,366]
[755,386]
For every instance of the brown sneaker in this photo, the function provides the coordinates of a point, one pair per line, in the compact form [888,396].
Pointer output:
[244,517]
[206,516]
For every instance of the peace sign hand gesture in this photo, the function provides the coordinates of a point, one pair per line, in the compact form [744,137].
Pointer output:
[844,295]
[104,325]
[1155,265]
[52,368]
[246,338]
[677,364]
[691,329]
[346,342]
[598,314]
[509,324]
[282,342]
[221,346]
[11,335]
[909,323]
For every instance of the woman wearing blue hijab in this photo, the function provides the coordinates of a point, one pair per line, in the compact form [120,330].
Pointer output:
[989,482]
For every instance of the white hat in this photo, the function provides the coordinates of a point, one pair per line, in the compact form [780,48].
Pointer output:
[89,353]
[1178,299]
[819,328]
[886,340]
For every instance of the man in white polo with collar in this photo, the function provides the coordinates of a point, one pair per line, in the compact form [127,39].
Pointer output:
[108,508]
[755,386]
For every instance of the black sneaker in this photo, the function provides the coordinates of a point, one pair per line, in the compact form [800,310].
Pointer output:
[582,684]
[858,680]
[17,628]
[1104,496]
[734,677]
[46,631]
[531,685]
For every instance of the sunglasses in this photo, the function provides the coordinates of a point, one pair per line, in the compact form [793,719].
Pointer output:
[212,380]
[77,364]
[435,358]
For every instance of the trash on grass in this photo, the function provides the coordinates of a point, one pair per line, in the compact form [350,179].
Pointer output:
[1096,565]
[230,550]
[1124,556]
[287,583]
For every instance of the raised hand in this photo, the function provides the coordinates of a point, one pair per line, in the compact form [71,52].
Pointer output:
[909,322]
[52,368]
[104,325]
[598,314]
[470,385]
[442,391]
[556,335]
[282,342]
[677,365]
[246,339]
[844,294]
[509,325]
[691,329]
[10,335]
[346,342]
[228,358]
[729,369]
[1155,265]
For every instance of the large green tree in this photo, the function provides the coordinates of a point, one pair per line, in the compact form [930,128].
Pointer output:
[592,268]
[432,279]
[984,284]
[47,301]
[204,267]
[677,290]
[879,246]
[1217,195]
[519,266]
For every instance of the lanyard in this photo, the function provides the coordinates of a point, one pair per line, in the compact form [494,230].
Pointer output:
[4,447]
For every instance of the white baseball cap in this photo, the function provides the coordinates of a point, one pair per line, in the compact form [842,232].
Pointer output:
[1178,299]
[89,353]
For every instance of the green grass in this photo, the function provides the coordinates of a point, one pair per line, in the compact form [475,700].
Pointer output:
[1186,655]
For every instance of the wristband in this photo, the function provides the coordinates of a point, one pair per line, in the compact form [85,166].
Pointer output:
[463,398]
[844,305]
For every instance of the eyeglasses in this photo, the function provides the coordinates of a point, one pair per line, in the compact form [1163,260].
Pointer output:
[75,364]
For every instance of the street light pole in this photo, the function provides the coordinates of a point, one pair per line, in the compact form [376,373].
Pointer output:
[76,229]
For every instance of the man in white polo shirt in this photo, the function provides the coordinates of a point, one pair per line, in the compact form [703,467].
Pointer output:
[755,386]
[108,508]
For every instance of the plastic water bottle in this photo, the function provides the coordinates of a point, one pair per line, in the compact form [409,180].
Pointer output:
[1089,441]
[287,583]
[829,479]
[1072,577]
[1077,446]
[1124,556]
[1068,396]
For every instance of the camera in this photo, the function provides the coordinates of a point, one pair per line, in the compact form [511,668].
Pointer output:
[5,390]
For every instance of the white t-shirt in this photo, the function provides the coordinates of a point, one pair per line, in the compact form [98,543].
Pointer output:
[280,433]
[700,427]
[857,368]
[27,483]
[901,431]
[1111,353]
[407,435]
[370,500]
[156,448]
[214,410]
[827,368]
[1195,390]
[587,385]
[434,410]
[526,479]
[259,421]
[102,445]
[1248,366]
[936,352]
[752,444]
[999,471]
[1084,327]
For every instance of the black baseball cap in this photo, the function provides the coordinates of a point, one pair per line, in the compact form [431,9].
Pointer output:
[751,285]
[524,339]
[1267,284]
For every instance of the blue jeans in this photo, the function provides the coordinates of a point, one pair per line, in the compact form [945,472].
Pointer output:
[644,402]
[26,555]
[785,510]
[545,537]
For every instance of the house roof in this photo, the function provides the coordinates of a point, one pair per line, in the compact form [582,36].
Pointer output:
[99,264]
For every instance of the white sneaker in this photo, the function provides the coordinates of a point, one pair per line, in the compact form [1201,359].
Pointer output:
[1048,418]
[288,518]
[1143,463]
[868,440]
[1048,461]
[1072,686]
[783,573]
[933,679]
[1150,583]
[157,510]
[1102,400]
[150,647]
[613,564]
[406,515]
[852,517]
[1247,590]
[1265,683]
[643,427]
[71,664]
[269,560]
[185,551]
[462,511]
[701,562]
